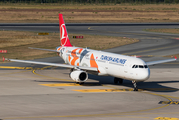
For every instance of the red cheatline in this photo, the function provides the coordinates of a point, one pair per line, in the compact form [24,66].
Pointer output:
[3,51]
[177,38]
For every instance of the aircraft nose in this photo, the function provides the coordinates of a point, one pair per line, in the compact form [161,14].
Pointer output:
[145,74]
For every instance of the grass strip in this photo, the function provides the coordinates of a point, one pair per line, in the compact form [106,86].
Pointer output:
[17,42]
[90,13]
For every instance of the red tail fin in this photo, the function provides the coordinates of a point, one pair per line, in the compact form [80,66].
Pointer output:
[63,33]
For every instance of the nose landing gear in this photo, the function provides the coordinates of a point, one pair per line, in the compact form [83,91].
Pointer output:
[120,81]
[135,86]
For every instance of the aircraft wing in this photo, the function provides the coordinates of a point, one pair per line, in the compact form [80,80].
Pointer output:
[54,64]
[43,49]
[161,61]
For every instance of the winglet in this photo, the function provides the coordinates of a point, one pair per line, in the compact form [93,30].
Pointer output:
[175,57]
[3,58]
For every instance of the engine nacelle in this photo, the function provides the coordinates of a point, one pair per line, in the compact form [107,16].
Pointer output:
[79,76]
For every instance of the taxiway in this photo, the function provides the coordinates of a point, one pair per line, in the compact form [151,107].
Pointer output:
[45,92]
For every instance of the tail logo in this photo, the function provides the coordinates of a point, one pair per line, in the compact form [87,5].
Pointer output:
[63,35]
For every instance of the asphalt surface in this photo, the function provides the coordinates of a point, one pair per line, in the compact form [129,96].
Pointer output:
[48,93]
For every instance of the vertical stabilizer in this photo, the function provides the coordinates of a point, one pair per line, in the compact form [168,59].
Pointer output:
[63,33]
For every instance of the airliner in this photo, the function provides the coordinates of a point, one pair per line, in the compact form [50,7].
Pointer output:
[82,61]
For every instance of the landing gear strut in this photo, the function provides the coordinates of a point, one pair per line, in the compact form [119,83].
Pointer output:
[116,80]
[135,86]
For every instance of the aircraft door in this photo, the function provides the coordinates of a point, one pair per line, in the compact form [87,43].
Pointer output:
[126,69]
[131,71]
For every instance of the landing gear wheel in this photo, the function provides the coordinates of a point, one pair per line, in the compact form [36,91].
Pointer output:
[77,82]
[135,89]
[115,81]
[135,86]
[118,80]
[81,83]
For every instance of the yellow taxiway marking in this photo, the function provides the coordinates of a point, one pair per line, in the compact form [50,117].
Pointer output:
[113,89]
[50,77]
[104,90]
[66,84]
[166,118]
[10,67]
[169,102]
[123,90]
[24,68]
[45,67]
[60,84]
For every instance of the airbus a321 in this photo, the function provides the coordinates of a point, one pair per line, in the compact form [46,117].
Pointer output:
[82,61]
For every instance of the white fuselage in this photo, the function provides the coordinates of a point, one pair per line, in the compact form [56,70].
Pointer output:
[116,65]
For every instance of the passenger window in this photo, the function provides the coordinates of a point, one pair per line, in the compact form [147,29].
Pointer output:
[136,66]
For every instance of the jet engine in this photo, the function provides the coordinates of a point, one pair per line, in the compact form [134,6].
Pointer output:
[79,76]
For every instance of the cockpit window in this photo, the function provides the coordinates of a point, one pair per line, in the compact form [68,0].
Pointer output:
[145,66]
[136,66]
[139,66]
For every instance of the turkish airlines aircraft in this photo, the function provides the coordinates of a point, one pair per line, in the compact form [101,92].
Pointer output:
[82,61]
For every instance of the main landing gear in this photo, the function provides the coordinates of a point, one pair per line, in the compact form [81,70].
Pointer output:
[118,80]
[135,85]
